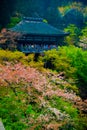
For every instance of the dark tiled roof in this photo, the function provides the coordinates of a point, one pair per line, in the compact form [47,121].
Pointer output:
[36,26]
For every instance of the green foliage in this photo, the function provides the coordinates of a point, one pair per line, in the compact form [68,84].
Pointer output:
[64,106]
[75,5]
[78,59]
[80,125]
[15,110]
[13,21]
[28,60]
[30,110]
[84,31]
[72,112]
[73,38]
[57,60]
[72,61]
[10,56]
[17,56]
[83,36]
[11,109]
[45,21]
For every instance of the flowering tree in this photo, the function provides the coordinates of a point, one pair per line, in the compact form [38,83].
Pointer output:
[8,39]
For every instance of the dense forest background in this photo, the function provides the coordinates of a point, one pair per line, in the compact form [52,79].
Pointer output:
[51,10]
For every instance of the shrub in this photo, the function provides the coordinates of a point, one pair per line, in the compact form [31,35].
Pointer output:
[78,60]
[73,38]
[72,61]
[64,106]
[6,55]
[58,61]
[72,123]
[11,109]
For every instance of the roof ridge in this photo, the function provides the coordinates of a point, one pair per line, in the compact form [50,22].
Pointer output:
[33,19]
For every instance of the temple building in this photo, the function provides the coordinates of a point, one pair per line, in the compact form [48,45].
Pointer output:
[37,35]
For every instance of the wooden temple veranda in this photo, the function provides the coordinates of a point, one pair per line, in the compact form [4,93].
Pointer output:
[37,36]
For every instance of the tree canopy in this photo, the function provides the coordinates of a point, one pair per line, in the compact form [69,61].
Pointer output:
[38,8]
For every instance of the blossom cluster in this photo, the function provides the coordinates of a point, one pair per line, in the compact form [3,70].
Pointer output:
[19,73]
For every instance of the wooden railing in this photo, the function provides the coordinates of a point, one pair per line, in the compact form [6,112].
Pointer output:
[36,48]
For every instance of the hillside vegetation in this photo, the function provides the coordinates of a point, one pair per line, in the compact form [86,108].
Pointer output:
[43,95]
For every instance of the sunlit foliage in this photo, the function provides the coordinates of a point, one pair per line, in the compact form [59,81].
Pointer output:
[73,38]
